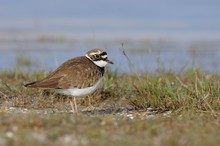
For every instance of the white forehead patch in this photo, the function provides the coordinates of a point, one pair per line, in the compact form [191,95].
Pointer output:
[104,56]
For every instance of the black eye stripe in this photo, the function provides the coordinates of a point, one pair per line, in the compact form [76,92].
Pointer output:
[103,53]
[97,57]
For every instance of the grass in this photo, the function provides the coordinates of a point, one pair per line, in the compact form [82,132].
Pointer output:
[192,97]
[188,91]
[66,129]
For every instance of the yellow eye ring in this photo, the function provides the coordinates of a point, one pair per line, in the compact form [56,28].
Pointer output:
[97,56]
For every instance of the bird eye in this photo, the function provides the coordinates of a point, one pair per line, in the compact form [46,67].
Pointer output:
[97,56]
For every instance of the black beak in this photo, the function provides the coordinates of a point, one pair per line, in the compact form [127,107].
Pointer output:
[109,61]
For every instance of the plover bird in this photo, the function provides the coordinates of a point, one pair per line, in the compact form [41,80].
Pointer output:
[76,77]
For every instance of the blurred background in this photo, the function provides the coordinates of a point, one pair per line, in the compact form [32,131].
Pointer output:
[171,35]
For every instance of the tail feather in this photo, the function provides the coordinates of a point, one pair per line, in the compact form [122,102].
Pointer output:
[31,85]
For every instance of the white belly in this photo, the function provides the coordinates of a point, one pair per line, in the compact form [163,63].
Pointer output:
[80,92]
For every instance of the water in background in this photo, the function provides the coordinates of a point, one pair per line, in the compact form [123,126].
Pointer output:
[144,55]
[41,35]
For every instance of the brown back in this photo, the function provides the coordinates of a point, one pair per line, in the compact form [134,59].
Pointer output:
[78,72]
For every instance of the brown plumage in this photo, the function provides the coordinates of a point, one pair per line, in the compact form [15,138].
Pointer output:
[78,72]
[79,76]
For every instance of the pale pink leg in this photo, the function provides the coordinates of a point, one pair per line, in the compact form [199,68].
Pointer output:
[75,104]
[90,105]
[89,101]
[74,108]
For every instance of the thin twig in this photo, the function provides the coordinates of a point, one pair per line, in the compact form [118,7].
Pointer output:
[131,65]
[3,94]
[204,99]
[183,85]
[196,84]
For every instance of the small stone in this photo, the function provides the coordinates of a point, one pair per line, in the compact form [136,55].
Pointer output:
[10,134]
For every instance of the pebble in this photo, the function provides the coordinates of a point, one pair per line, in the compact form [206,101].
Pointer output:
[10,134]
[128,112]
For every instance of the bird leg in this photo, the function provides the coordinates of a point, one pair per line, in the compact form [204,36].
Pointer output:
[74,108]
[75,104]
[90,105]
[89,101]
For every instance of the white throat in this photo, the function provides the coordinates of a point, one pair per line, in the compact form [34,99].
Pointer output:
[99,63]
